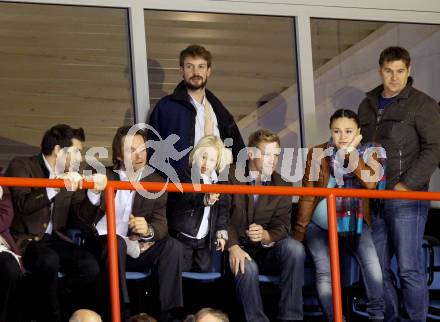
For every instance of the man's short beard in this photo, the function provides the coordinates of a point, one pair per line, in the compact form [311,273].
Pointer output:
[194,88]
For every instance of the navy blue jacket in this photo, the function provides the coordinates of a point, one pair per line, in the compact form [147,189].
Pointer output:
[175,114]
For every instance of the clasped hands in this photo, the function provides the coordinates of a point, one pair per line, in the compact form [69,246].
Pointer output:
[238,257]
[73,181]
[139,227]
[256,233]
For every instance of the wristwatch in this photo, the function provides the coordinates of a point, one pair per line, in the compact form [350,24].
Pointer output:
[150,235]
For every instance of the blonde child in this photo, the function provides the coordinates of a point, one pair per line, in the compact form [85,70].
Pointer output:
[200,220]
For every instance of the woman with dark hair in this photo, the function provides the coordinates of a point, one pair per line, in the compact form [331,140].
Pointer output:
[343,162]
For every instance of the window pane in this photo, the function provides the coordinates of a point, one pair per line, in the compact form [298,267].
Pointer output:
[346,62]
[253,68]
[62,64]
[346,55]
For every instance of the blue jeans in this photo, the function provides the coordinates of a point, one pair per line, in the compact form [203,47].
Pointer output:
[285,258]
[316,240]
[398,230]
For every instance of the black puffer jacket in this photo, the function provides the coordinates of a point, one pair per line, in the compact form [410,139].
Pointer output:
[409,130]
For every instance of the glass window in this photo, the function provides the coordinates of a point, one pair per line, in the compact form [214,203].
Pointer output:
[62,64]
[253,69]
[346,59]
[346,55]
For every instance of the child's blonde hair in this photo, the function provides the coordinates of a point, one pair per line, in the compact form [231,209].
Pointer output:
[211,141]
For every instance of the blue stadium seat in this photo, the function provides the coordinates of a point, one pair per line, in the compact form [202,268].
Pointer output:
[432,247]
[135,276]
[214,274]
[206,277]
[269,279]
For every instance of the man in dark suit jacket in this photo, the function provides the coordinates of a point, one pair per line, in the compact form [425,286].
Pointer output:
[141,224]
[259,238]
[41,216]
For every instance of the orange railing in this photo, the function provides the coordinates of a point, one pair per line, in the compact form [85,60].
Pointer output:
[330,194]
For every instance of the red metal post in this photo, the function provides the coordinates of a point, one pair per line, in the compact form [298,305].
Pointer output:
[112,252]
[334,257]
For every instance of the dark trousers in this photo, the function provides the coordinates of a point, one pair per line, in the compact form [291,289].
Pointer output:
[165,255]
[196,253]
[44,259]
[285,258]
[167,259]
[97,245]
[9,277]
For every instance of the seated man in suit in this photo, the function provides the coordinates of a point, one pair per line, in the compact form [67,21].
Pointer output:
[259,240]
[141,224]
[41,216]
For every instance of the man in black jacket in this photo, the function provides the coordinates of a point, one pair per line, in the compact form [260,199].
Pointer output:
[406,123]
[192,111]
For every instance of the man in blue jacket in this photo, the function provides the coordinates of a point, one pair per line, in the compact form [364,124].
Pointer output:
[192,111]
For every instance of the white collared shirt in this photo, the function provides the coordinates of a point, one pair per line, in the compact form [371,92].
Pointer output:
[51,193]
[204,225]
[123,207]
[200,120]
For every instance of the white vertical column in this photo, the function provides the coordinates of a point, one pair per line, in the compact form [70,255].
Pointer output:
[306,82]
[139,63]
